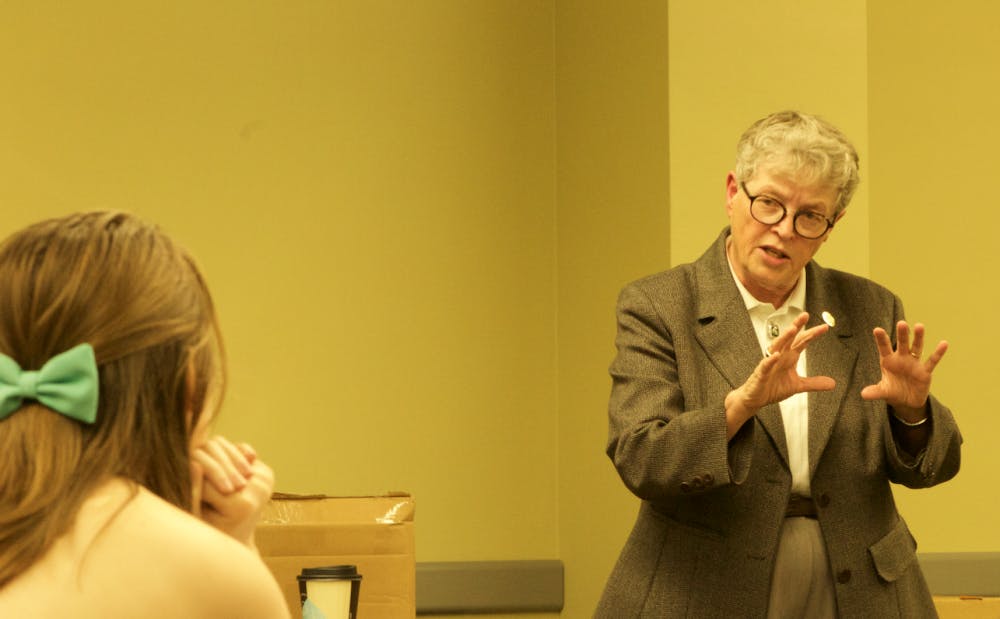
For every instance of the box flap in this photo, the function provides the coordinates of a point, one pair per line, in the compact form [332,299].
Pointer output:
[393,508]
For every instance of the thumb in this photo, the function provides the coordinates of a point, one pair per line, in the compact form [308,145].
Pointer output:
[818,383]
[872,392]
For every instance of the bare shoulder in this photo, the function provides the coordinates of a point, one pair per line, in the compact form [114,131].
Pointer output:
[132,554]
[191,566]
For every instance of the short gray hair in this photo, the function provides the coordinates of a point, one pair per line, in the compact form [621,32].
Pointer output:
[804,146]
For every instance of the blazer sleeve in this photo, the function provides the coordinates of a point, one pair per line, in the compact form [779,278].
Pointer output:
[662,450]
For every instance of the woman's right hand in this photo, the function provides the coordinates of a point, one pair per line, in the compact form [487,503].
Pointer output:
[230,487]
[776,377]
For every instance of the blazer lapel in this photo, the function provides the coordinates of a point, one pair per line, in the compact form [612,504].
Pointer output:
[726,333]
[832,355]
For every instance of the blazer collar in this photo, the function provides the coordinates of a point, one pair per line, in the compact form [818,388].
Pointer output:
[724,329]
[726,334]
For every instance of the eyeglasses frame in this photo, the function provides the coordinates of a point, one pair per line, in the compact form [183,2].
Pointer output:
[784,213]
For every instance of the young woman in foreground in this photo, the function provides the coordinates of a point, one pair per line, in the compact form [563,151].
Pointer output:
[114,499]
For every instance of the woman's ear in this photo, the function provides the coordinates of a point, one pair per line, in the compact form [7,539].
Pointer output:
[836,219]
[732,188]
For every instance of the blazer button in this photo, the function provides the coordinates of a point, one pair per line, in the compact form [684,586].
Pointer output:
[685,487]
[709,479]
[844,576]
[823,501]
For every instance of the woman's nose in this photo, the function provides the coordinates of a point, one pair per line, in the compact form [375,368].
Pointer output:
[786,227]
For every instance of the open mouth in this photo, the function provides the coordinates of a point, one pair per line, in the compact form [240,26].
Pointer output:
[774,253]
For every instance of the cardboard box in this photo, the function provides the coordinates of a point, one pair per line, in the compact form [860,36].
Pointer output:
[374,533]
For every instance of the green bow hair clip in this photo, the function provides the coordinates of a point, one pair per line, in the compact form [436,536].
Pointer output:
[67,384]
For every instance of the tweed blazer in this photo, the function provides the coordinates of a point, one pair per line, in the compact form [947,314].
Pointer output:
[704,542]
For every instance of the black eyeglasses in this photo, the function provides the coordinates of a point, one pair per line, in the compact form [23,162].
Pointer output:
[769,211]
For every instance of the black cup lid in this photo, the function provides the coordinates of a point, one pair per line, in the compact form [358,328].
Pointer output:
[331,572]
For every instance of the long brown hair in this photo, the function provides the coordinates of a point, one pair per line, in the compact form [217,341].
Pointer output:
[113,281]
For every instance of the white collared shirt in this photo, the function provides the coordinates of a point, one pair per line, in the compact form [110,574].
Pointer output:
[768,323]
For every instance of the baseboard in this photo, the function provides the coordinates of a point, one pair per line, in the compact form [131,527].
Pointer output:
[484,587]
[961,573]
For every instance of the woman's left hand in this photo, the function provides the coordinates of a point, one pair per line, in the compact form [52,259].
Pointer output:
[906,379]
[230,487]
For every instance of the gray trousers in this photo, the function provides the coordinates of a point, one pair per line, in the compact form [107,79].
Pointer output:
[802,584]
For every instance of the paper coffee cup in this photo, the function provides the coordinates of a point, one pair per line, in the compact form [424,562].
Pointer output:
[329,592]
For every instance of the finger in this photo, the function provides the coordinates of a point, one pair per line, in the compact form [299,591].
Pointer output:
[216,505]
[263,475]
[217,449]
[215,498]
[818,383]
[903,337]
[936,356]
[213,470]
[259,488]
[917,347]
[236,455]
[882,342]
[237,514]
[258,492]
[766,365]
[249,498]
[803,338]
[781,342]
[248,452]
[784,341]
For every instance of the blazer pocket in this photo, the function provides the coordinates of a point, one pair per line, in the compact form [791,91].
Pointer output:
[894,553]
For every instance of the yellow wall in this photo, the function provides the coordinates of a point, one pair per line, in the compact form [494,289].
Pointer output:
[369,187]
[612,164]
[416,218]
[733,62]
[934,140]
